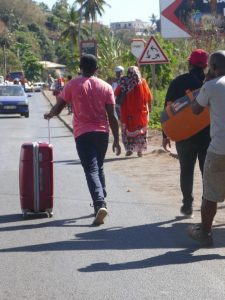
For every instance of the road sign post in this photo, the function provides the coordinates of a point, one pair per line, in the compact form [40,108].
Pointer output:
[88,47]
[137,47]
[152,55]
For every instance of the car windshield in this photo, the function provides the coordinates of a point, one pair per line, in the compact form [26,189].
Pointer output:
[11,90]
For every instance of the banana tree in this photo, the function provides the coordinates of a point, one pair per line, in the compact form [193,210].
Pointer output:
[72,28]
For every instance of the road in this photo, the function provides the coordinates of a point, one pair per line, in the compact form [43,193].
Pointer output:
[141,252]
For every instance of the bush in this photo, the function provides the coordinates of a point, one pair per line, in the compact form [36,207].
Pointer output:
[157,108]
[155,118]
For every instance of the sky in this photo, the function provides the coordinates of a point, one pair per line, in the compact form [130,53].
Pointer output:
[123,10]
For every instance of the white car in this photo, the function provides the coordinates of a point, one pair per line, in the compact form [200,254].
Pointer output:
[28,87]
[38,86]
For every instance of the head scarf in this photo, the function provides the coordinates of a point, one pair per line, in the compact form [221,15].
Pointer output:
[133,78]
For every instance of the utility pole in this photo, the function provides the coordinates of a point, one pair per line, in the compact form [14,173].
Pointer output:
[5,64]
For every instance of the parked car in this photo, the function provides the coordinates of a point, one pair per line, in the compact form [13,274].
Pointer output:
[13,75]
[13,100]
[28,87]
[2,80]
[38,86]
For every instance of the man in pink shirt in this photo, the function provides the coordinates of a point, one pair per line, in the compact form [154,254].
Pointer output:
[93,105]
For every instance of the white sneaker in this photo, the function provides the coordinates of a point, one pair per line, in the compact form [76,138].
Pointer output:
[100,216]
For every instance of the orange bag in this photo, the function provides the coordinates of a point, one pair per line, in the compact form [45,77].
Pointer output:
[177,120]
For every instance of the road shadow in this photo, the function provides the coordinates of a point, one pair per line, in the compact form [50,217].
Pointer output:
[68,162]
[51,127]
[162,235]
[179,257]
[77,161]
[10,117]
[10,218]
[31,217]
[54,137]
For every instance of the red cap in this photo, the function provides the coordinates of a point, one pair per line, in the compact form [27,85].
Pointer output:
[199,58]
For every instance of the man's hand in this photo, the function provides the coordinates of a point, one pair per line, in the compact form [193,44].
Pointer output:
[48,116]
[196,107]
[116,148]
[56,109]
[166,143]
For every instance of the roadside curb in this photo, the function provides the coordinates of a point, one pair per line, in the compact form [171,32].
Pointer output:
[65,120]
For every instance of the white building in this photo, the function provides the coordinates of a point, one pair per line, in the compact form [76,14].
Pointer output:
[138,26]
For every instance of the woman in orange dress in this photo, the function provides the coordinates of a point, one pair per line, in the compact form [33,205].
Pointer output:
[135,109]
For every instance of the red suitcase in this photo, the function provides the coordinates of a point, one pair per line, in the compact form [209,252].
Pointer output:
[36,178]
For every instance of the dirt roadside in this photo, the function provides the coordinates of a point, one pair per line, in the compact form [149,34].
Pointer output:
[157,171]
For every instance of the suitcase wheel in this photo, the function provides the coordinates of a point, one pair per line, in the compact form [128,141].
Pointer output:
[24,213]
[50,214]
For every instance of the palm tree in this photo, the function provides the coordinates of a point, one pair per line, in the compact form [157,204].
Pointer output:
[90,9]
[153,20]
[80,2]
[71,30]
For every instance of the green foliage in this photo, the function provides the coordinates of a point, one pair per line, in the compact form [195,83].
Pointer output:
[15,12]
[68,58]
[45,49]
[60,9]
[111,52]
[157,108]
[155,118]
[72,28]
[33,70]
[24,38]
[13,63]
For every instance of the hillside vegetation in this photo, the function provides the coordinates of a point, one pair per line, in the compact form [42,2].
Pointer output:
[30,32]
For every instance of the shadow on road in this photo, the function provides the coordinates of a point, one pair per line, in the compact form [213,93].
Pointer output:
[107,160]
[185,256]
[10,117]
[53,223]
[163,235]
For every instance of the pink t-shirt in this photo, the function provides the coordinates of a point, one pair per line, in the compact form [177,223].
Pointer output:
[88,97]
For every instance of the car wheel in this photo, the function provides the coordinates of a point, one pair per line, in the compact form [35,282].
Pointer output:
[26,115]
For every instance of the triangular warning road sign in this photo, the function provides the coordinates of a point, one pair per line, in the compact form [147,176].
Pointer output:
[153,54]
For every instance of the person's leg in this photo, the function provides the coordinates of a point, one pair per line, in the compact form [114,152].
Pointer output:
[213,189]
[208,212]
[102,140]
[202,151]
[88,155]
[91,148]
[187,157]
[125,141]
[101,145]
[141,143]
[202,232]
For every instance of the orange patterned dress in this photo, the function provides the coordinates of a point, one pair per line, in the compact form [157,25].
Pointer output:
[134,110]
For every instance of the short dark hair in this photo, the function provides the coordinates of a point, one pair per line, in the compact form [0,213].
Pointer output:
[88,63]
[218,59]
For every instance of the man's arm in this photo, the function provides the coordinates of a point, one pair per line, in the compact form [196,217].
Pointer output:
[113,122]
[196,107]
[56,109]
[170,95]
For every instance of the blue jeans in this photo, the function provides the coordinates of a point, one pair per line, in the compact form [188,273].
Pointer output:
[91,149]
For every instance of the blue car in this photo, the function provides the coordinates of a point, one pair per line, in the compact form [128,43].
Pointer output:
[13,100]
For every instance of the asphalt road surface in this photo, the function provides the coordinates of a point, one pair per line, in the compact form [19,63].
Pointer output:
[141,252]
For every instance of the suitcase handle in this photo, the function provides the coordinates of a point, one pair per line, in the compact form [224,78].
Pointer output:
[49,137]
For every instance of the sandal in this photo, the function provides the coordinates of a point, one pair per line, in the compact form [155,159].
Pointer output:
[198,234]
